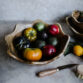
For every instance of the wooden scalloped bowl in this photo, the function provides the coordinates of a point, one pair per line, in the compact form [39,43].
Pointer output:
[64,40]
[75,25]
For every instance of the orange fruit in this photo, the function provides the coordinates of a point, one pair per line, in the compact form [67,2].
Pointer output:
[78,50]
[33,54]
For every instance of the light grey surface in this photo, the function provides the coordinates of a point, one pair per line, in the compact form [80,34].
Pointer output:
[37,9]
[12,71]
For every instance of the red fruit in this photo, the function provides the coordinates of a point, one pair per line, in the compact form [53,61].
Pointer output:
[49,50]
[53,29]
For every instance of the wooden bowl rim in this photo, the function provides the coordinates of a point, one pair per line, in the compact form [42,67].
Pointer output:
[74,17]
[72,28]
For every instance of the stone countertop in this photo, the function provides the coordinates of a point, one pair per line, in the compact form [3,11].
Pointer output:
[12,71]
[24,11]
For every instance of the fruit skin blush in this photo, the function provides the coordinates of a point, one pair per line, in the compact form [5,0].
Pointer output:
[79,71]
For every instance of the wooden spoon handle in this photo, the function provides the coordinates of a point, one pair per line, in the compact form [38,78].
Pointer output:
[47,72]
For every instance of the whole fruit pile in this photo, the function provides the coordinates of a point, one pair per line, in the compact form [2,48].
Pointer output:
[37,42]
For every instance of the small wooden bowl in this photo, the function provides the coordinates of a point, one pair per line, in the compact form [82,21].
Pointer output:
[75,25]
[64,40]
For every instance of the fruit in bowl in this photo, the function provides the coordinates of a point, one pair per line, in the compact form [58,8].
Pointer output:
[53,29]
[42,35]
[40,44]
[21,43]
[39,26]
[30,33]
[52,41]
[32,54]
[49,50]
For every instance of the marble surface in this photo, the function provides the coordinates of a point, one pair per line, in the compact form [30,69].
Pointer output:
[38,9]
[25,11]
[12,71]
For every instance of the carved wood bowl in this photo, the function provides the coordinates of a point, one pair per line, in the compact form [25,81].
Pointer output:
[62,37]
[74,24]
